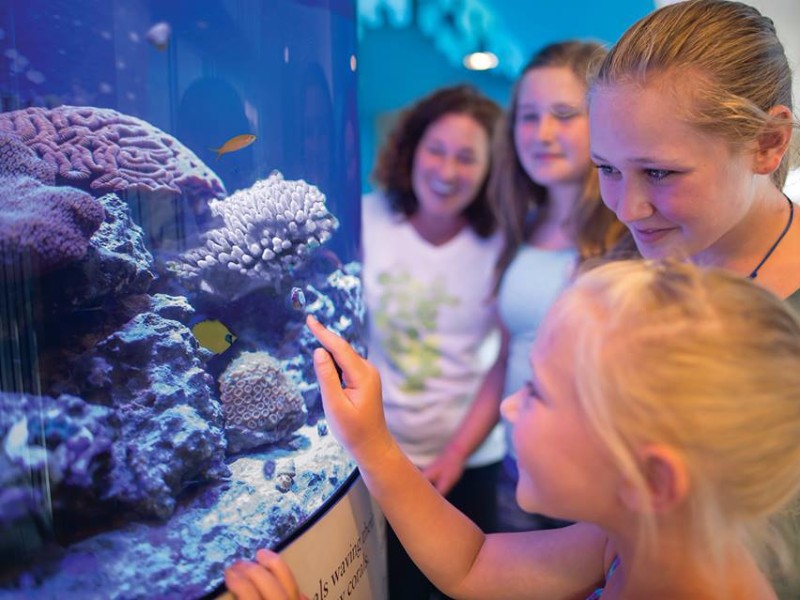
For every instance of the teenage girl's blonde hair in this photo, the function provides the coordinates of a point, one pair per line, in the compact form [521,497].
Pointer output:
[726,56]
[516,199]
[705,362]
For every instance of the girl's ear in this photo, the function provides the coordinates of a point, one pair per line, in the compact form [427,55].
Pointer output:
[774,141]
[667,481]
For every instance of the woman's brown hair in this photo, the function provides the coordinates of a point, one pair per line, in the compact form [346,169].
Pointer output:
[396,158]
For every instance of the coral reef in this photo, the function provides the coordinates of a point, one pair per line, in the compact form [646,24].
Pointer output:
[170,425]
[103,150]
[225,522]
[268,232]
[261,405]
[337,302]
[48,226]
[117,263]
[62,441]
[17,159]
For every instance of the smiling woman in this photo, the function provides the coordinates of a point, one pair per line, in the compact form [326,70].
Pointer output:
[429,246]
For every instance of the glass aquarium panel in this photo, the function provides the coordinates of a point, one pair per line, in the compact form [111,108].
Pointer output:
[179,188]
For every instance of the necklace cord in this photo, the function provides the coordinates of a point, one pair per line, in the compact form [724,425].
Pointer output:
[754,274]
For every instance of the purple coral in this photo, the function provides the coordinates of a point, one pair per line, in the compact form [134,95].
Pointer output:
[51,226]
[261,404]
[17,159]
[269,229]
[105,151]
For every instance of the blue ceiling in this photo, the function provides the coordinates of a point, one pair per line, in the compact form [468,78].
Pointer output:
[535,23]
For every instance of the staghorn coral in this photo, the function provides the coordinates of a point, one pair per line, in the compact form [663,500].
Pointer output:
[46,226]
[103,150]
[268,230]
[261,405]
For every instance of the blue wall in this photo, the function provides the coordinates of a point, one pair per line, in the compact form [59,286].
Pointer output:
[398,66]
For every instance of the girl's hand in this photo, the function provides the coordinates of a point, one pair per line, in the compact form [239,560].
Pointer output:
[269,578]
[354,412]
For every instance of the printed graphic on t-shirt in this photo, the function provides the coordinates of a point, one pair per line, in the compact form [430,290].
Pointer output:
[407,313]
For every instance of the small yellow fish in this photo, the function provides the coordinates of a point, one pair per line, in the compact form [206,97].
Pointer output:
[235,143]
[213,335]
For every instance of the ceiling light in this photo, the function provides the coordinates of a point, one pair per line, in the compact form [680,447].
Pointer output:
[480,61]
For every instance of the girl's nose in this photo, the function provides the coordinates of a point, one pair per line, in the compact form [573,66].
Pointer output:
[546,130]
[631,205]
[510,405]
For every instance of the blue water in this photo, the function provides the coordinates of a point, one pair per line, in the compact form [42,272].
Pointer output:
[158,411]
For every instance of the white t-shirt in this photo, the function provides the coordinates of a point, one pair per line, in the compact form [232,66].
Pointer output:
[431,314]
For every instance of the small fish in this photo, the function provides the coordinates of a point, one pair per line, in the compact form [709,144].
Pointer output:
[235,143]
[213,335]
[297,298]
[158,35]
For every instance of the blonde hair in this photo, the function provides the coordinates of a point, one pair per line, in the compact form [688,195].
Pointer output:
[740,67]
[705,362]
[516,198]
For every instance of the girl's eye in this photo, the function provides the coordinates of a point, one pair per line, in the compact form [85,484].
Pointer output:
[565,115]
[531,393]
[529,117]
[606,170]
[658,174]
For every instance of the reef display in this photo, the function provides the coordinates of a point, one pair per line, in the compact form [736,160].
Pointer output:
[178,191]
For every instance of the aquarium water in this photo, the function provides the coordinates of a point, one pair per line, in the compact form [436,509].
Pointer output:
[179,189]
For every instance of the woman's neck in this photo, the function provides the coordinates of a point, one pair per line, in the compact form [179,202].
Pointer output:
[435,230]
[552,230]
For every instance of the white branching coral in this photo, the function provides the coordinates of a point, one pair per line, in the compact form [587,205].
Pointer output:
[268,229]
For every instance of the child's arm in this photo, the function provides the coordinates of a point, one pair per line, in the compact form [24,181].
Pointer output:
[483,415]
[446,545]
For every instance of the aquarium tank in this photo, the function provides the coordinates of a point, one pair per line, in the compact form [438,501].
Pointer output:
[179,189]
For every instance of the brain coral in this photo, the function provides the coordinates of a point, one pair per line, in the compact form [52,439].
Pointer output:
[49,225]
[268,229]
[105,151]
[17,159]
[261,405]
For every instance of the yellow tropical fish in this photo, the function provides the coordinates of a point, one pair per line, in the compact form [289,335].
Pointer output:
[235,143]
[213,335]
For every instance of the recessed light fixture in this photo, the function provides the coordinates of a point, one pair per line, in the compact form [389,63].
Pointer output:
[480,61]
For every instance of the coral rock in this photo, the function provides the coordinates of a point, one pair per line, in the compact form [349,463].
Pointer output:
[49,226]
[63,441]
[116,264]
[261,405]
[103,150]
[170,425]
